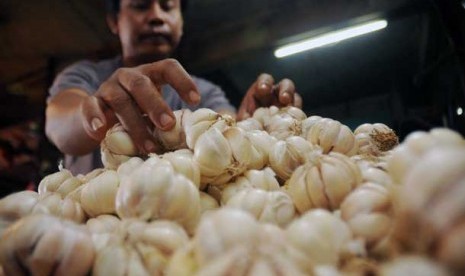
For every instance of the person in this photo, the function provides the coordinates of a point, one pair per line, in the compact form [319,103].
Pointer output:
[88,98]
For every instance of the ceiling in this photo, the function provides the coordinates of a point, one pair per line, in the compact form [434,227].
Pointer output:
[231,42]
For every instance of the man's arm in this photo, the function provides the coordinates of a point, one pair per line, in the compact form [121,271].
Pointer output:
[64,125]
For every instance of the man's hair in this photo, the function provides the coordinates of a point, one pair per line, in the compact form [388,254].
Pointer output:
[113,6]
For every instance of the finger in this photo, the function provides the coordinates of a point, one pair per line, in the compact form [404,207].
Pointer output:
[170,71]
[130,118]
[264,86]
[95,123]
[148,98]
[298,102]
[286,90]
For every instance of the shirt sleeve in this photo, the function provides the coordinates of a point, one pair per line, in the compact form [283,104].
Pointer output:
[81,75]
[213,96]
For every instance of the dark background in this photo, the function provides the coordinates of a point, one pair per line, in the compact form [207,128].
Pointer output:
[409,76]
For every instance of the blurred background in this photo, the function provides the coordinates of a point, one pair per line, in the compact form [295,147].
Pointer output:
[409,75]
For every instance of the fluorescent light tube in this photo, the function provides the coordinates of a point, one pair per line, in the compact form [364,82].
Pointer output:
[330,38]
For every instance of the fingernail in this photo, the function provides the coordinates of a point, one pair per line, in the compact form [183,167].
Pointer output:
[96,124]
[165,119]
[149,146]
[286,96]
[194,96]
[263,86]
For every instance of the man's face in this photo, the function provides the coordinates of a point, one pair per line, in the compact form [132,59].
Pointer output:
[149,29]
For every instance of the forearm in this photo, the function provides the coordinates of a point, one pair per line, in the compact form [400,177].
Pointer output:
[64,124]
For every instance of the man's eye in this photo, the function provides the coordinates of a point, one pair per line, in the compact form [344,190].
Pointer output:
[140,5]
[167,4]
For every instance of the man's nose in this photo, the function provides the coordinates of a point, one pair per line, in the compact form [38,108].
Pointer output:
[156,14]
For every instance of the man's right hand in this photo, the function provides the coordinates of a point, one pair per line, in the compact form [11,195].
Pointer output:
[132,92]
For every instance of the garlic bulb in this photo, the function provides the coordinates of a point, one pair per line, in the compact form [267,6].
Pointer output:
[98,195]
[264,114]
[155,191]
[62,182]
[375,139]
[183,163]
[262,142]
[287,155]
[117,147]
[331,136]
[282,127]
[90,175]
[412,266]
[175,138]
[128,167]
[231,242]
[46,245]
[323,182]
[15,206]
[430,207]
[368,212]
[139,248]
[250,124]
[103,224]
[274,207]
[415,146]
[259,179]
[221,156]
[53,204]
[317,238]
[202,120]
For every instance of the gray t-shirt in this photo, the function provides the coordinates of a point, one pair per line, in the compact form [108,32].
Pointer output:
[88,76]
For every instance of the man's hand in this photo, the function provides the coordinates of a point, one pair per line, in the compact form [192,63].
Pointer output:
[264,92]
[131,93]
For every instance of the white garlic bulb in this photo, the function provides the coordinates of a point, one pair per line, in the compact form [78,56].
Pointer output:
[262,143]
[174,138]
[62,182]
[98,195]
[375,139]
[46,245]
[156,191]
[368,212]
[259,179]
[15,206]
[274,207]
[282,127]
[54,204]
[410,265]
[103,224]
[202,120]
[323,182]
[250,124]
[331,136]
[264,114]
[317,238]
[415,146]
[117,147]
[221,156]
[208,203]
[289,154]
[183,163]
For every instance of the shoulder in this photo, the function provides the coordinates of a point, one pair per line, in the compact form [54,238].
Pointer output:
[93,67]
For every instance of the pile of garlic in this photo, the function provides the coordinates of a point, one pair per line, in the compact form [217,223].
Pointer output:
[279,193]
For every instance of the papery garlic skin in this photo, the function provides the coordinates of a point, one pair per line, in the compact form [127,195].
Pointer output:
[323,182]
[317,238]
[202,120]
[331,136]
[46,245]
[126,168]
[103,224]
[289,154]
[415,146]
[117,147]
[264,114]
[90,175]
[262,142]
[208,203]
[62,182]
[98,195]
[368,212]
[375,139]
[275,207]
[282,127]
[259,179]
[183,163]
[175,138]
[155,191]
[430,206]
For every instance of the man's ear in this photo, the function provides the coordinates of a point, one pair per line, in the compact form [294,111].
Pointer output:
[112,23]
